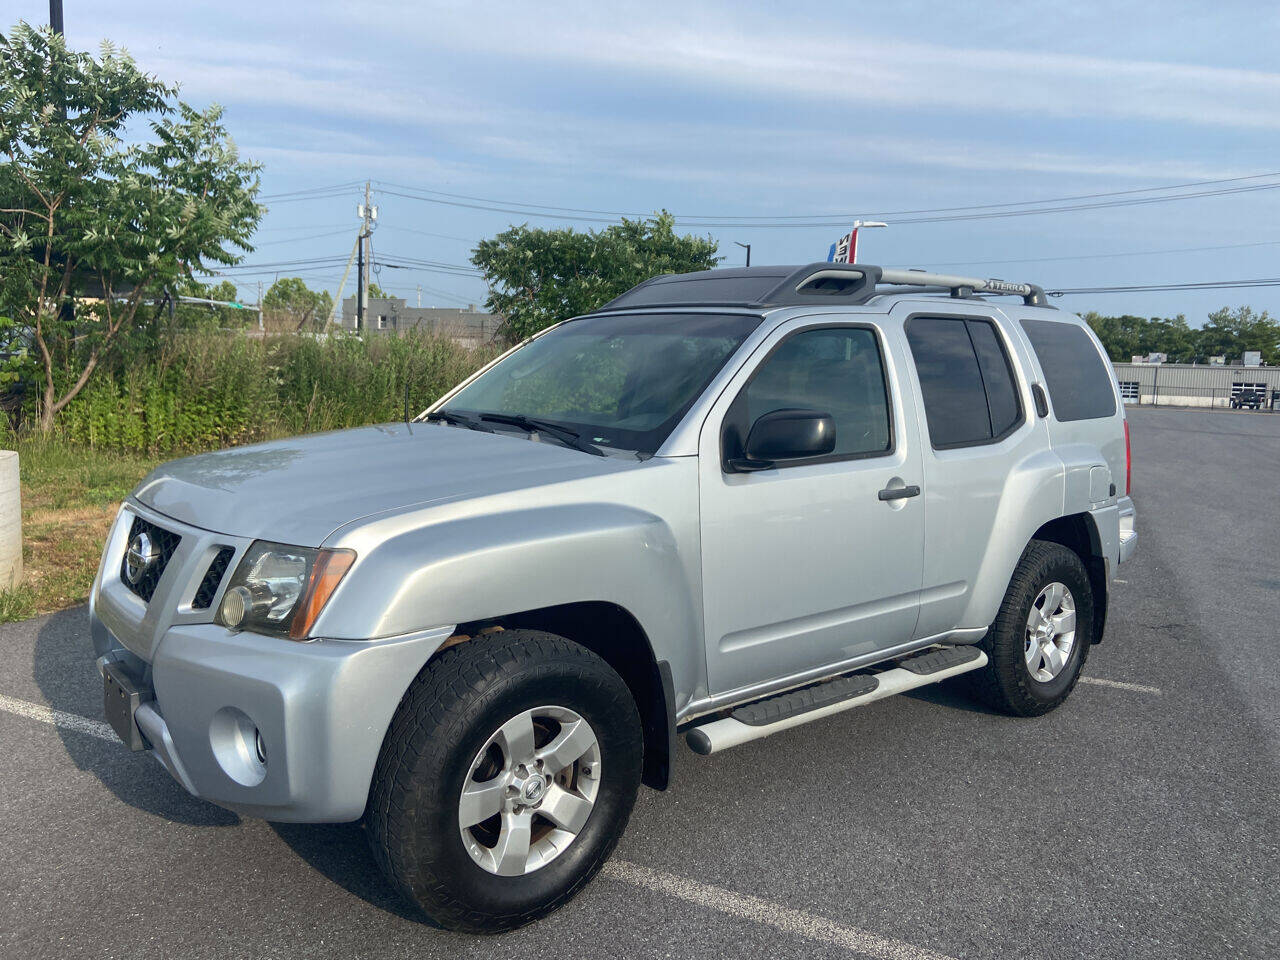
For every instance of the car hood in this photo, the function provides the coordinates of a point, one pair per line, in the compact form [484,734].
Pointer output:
[301,490]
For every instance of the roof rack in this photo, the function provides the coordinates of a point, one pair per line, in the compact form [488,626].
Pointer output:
[816,283]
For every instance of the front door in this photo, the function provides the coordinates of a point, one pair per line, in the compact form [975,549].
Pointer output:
[808,564]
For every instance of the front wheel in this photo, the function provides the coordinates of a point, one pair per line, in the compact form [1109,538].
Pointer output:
[1041,636]
[506,779]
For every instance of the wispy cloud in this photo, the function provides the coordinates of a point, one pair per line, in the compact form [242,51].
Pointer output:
[781,58]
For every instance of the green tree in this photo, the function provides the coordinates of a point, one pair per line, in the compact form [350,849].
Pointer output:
[188,316]
[292,296]
[1230,333]
[91,227]
[1119,335]
[539,277]
[1128,336]
[377,293]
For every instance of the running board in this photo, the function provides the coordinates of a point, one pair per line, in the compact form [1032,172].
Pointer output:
[763,718]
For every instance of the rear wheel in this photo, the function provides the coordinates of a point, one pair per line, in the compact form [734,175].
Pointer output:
[1041,636]
[505,781]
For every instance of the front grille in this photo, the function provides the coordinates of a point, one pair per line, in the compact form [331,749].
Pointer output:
[212,579]
[163,544]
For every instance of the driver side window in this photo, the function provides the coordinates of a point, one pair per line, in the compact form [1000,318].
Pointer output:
[833,370]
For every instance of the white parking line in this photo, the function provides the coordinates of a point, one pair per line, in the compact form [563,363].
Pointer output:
[745,907]
[1120,685]
[58,718]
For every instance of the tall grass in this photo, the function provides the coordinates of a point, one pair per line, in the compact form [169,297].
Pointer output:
[205,390]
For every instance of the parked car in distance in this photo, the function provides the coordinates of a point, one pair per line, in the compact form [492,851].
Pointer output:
[723,505]
[1248,398]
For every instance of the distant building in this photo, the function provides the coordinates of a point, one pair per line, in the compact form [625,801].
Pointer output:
[1196,385]
[393,314]
[1251,358]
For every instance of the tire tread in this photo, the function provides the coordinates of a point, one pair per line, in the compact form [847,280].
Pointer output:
[1004,683]
[436,701]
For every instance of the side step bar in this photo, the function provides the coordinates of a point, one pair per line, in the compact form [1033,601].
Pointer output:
[753,721]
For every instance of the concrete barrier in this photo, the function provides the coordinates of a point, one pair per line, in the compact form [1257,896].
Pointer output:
[10,521]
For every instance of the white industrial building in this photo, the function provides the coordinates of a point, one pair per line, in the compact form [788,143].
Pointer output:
[1195,384]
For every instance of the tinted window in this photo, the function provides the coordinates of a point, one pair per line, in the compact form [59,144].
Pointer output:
[832,370]
[955,402]
[997,376]
[1078,381]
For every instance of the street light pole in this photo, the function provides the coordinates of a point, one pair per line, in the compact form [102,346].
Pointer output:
[747,247]
[853,236]
[55,16]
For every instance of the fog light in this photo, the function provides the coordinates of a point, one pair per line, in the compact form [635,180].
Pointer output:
[235,604]
[238,746]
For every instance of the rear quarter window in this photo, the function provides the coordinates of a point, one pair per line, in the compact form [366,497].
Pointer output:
[1076,375]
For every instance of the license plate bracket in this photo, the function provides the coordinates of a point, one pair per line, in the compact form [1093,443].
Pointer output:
[121,698]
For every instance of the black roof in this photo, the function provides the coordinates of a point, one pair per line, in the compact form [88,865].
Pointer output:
[754,287]
[814,283]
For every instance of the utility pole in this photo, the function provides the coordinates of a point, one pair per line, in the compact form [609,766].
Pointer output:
[55,16]
[419,294]
[260,326]
[746,247]
[368,215]
[360,281]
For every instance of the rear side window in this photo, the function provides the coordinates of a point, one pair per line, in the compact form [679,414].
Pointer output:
[1074,371]
[966,380]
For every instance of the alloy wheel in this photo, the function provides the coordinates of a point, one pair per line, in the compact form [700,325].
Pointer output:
[1051,632]
[529,791]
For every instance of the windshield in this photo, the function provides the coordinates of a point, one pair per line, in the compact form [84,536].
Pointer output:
[619,381]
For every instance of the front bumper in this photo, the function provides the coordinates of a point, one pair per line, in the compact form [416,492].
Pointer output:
[321,710]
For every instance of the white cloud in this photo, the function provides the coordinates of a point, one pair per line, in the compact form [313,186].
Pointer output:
[840,62]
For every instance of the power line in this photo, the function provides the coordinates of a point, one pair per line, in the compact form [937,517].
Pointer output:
[306,261]
[296,228]
[311,191]
[317,236]
[930,215]
[1102,256]
[434,265]
[434,290]
[1152,287]
[426,233]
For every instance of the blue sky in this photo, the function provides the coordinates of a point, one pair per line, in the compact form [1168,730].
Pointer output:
[749,109]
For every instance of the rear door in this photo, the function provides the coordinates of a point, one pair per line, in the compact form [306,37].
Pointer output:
[804,565]
[978,429]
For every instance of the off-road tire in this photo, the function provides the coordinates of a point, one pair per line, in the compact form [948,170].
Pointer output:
[451,709]
[1005,683]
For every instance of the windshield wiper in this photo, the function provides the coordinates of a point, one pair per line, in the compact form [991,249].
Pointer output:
[457,419]
[569,437]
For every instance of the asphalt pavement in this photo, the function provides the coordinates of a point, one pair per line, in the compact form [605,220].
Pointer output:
[1139,820]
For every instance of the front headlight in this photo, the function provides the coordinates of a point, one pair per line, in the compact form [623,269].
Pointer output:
[280,590]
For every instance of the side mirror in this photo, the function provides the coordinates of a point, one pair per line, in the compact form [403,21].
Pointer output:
[793,434]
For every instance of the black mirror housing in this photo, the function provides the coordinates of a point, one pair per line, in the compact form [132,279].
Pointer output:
[791,434]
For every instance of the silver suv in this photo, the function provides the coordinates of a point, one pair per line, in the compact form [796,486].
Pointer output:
[723,505]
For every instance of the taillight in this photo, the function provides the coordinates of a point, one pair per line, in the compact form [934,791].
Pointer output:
[1128,462]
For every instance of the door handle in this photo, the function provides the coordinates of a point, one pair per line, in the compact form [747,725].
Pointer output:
[899,493]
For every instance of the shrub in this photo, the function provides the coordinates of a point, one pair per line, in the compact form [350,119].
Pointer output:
[201,390]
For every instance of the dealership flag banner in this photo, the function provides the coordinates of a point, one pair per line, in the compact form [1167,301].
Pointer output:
[844,250]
